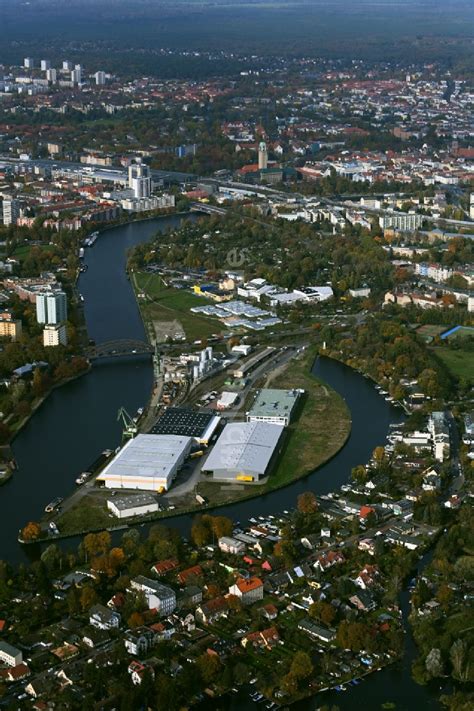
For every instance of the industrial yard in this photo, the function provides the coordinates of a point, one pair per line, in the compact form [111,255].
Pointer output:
[199,454]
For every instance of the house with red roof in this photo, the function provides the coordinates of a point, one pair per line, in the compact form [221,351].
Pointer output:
[194,572]
[365,511]
[213,610]
[164,566]
[264,639]
[248,591]
[328,560]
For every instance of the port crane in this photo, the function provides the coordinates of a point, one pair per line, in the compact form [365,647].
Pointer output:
[130,428]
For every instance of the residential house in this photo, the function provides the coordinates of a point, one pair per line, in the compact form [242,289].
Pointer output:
[367,577]
[211,611]
[103,618]
[316,631]
[311,541]
[39,687]
[365,511]
[94,637]
[164,566]
[264,639]
[139,640]
[367,544]
[17,673]
[158,596]
[269,612]
[227,544]
[116,601]
[10,655]
[248,591]
[189,574]
[137,671]
[190,596]
[431,480]
[363,600]
[328,560]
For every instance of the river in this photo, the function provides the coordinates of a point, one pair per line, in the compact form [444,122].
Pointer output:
[79,420]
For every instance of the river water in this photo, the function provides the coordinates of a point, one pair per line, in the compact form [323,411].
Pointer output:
[79,420]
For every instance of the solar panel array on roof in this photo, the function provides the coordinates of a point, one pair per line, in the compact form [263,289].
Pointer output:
[182,421]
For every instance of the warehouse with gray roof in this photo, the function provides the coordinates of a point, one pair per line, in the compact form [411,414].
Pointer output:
[244,452]
[149,462]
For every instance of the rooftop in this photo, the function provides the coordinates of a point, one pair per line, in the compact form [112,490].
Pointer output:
[274,403]
[148,456]
[244,446]
[182,421]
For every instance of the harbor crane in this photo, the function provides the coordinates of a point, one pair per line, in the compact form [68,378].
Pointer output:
[130,428]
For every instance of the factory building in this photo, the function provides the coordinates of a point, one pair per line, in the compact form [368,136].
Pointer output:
[274,406]
[183,421]
[150,462]
[244,452]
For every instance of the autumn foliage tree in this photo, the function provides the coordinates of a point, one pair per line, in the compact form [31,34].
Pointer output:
[209,528]
[31,532]
[307,503]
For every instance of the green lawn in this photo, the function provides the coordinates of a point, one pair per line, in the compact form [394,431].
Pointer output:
[89,513]
[459,363]
[168,304]
[320,429]
[151,284]
[23,250]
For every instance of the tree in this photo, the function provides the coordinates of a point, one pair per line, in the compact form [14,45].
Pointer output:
[323,611]
[434,663]
[221,526]
[135,620]
[39,384]
[301,666]
[51,557]
[88,597]
[290,684]
[209,666]
[457,655]
[200,533]
[379,455]
[31,532]
[307,503]
[96,544]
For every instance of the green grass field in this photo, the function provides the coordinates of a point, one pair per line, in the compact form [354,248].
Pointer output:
[163,304]
[23,250]
[322,425]
[459,363]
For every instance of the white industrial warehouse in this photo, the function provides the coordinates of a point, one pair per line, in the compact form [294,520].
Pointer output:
[244,452]
[149,462]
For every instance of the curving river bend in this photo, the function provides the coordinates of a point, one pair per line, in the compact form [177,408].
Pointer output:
[79,420]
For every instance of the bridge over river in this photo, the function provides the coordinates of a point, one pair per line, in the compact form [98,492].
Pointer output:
[117,348]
